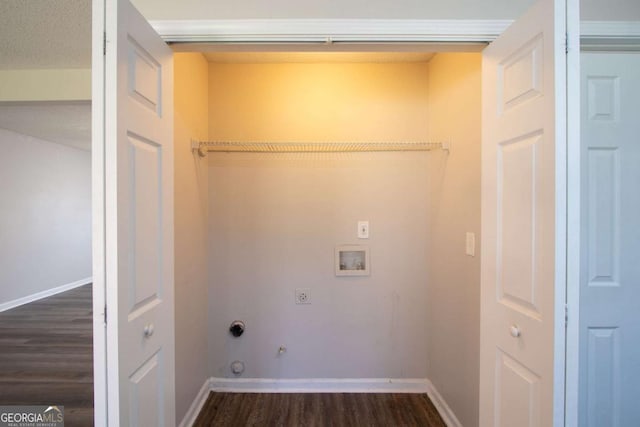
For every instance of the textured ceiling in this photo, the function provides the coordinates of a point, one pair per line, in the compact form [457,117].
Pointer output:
[62,123]
[45,34]
[316,57]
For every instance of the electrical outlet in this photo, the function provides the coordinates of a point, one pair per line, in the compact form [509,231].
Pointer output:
[303,296]
[363,229]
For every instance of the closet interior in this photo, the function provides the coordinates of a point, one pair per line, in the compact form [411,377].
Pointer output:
[279,157]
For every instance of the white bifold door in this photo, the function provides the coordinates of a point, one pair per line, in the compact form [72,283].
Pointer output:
[133,144]
[523,221]
[610,255]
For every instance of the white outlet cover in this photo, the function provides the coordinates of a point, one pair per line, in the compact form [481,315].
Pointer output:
[363,229]
[303,296]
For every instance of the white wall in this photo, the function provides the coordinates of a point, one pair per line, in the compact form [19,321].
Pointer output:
[45,215]
[376,9]
[332,9]
[191,102]
[454,278]
[610,10]
[276,219]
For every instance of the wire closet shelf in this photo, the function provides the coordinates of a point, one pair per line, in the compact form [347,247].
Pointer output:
[203,147]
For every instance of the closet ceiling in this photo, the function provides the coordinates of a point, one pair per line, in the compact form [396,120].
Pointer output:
[45,34]
[62,123]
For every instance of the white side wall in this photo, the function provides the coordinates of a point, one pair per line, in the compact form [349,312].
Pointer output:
[191,73]
[332,9]
[612,10]
[45,215]
[276,219]
[454,278]
[592,10]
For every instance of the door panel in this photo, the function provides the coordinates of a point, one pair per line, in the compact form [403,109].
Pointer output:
[521,103]
[515,229]
[517,394]
[610,272]
[138,182]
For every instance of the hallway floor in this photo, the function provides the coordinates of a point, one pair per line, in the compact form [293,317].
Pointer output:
[46,354]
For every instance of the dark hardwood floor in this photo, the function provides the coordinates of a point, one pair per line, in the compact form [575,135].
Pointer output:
[318,409]
[46,355]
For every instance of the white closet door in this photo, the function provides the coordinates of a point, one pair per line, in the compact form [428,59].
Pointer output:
[137,186]
[523,175]
[610,276]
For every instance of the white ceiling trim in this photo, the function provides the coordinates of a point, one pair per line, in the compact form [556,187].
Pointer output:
[610,29]
[329,30]
[610,35]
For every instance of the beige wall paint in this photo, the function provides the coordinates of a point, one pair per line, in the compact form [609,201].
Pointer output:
[275,220]
[45,85]
[454,278]
[191,194]
[332,9]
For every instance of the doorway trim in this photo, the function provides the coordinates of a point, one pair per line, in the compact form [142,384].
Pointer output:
[451,32]
[329,31]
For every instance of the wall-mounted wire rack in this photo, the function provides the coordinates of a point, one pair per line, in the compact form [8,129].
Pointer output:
[202,147]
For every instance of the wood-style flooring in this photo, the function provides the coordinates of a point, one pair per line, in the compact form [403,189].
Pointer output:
[46,355]
[318,409]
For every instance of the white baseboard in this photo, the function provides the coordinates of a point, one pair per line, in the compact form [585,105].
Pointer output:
[444,410]
[320,385]
[191,415]
[43,294]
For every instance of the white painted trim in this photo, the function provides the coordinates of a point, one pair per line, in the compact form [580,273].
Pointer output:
[566,17]
[197,404]
[610,29]
[329,30]
[100,406]
[43,294]
[610,36]
[573,159]
[320,385]
[444,410]
[362,30]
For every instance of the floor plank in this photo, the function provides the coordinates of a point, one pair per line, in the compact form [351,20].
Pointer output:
[46,354]
[318,409]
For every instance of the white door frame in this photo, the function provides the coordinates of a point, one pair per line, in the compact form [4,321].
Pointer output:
[353,34]
[384,35]
[98,242]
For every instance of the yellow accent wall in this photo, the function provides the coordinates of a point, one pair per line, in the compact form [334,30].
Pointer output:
[303,102]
